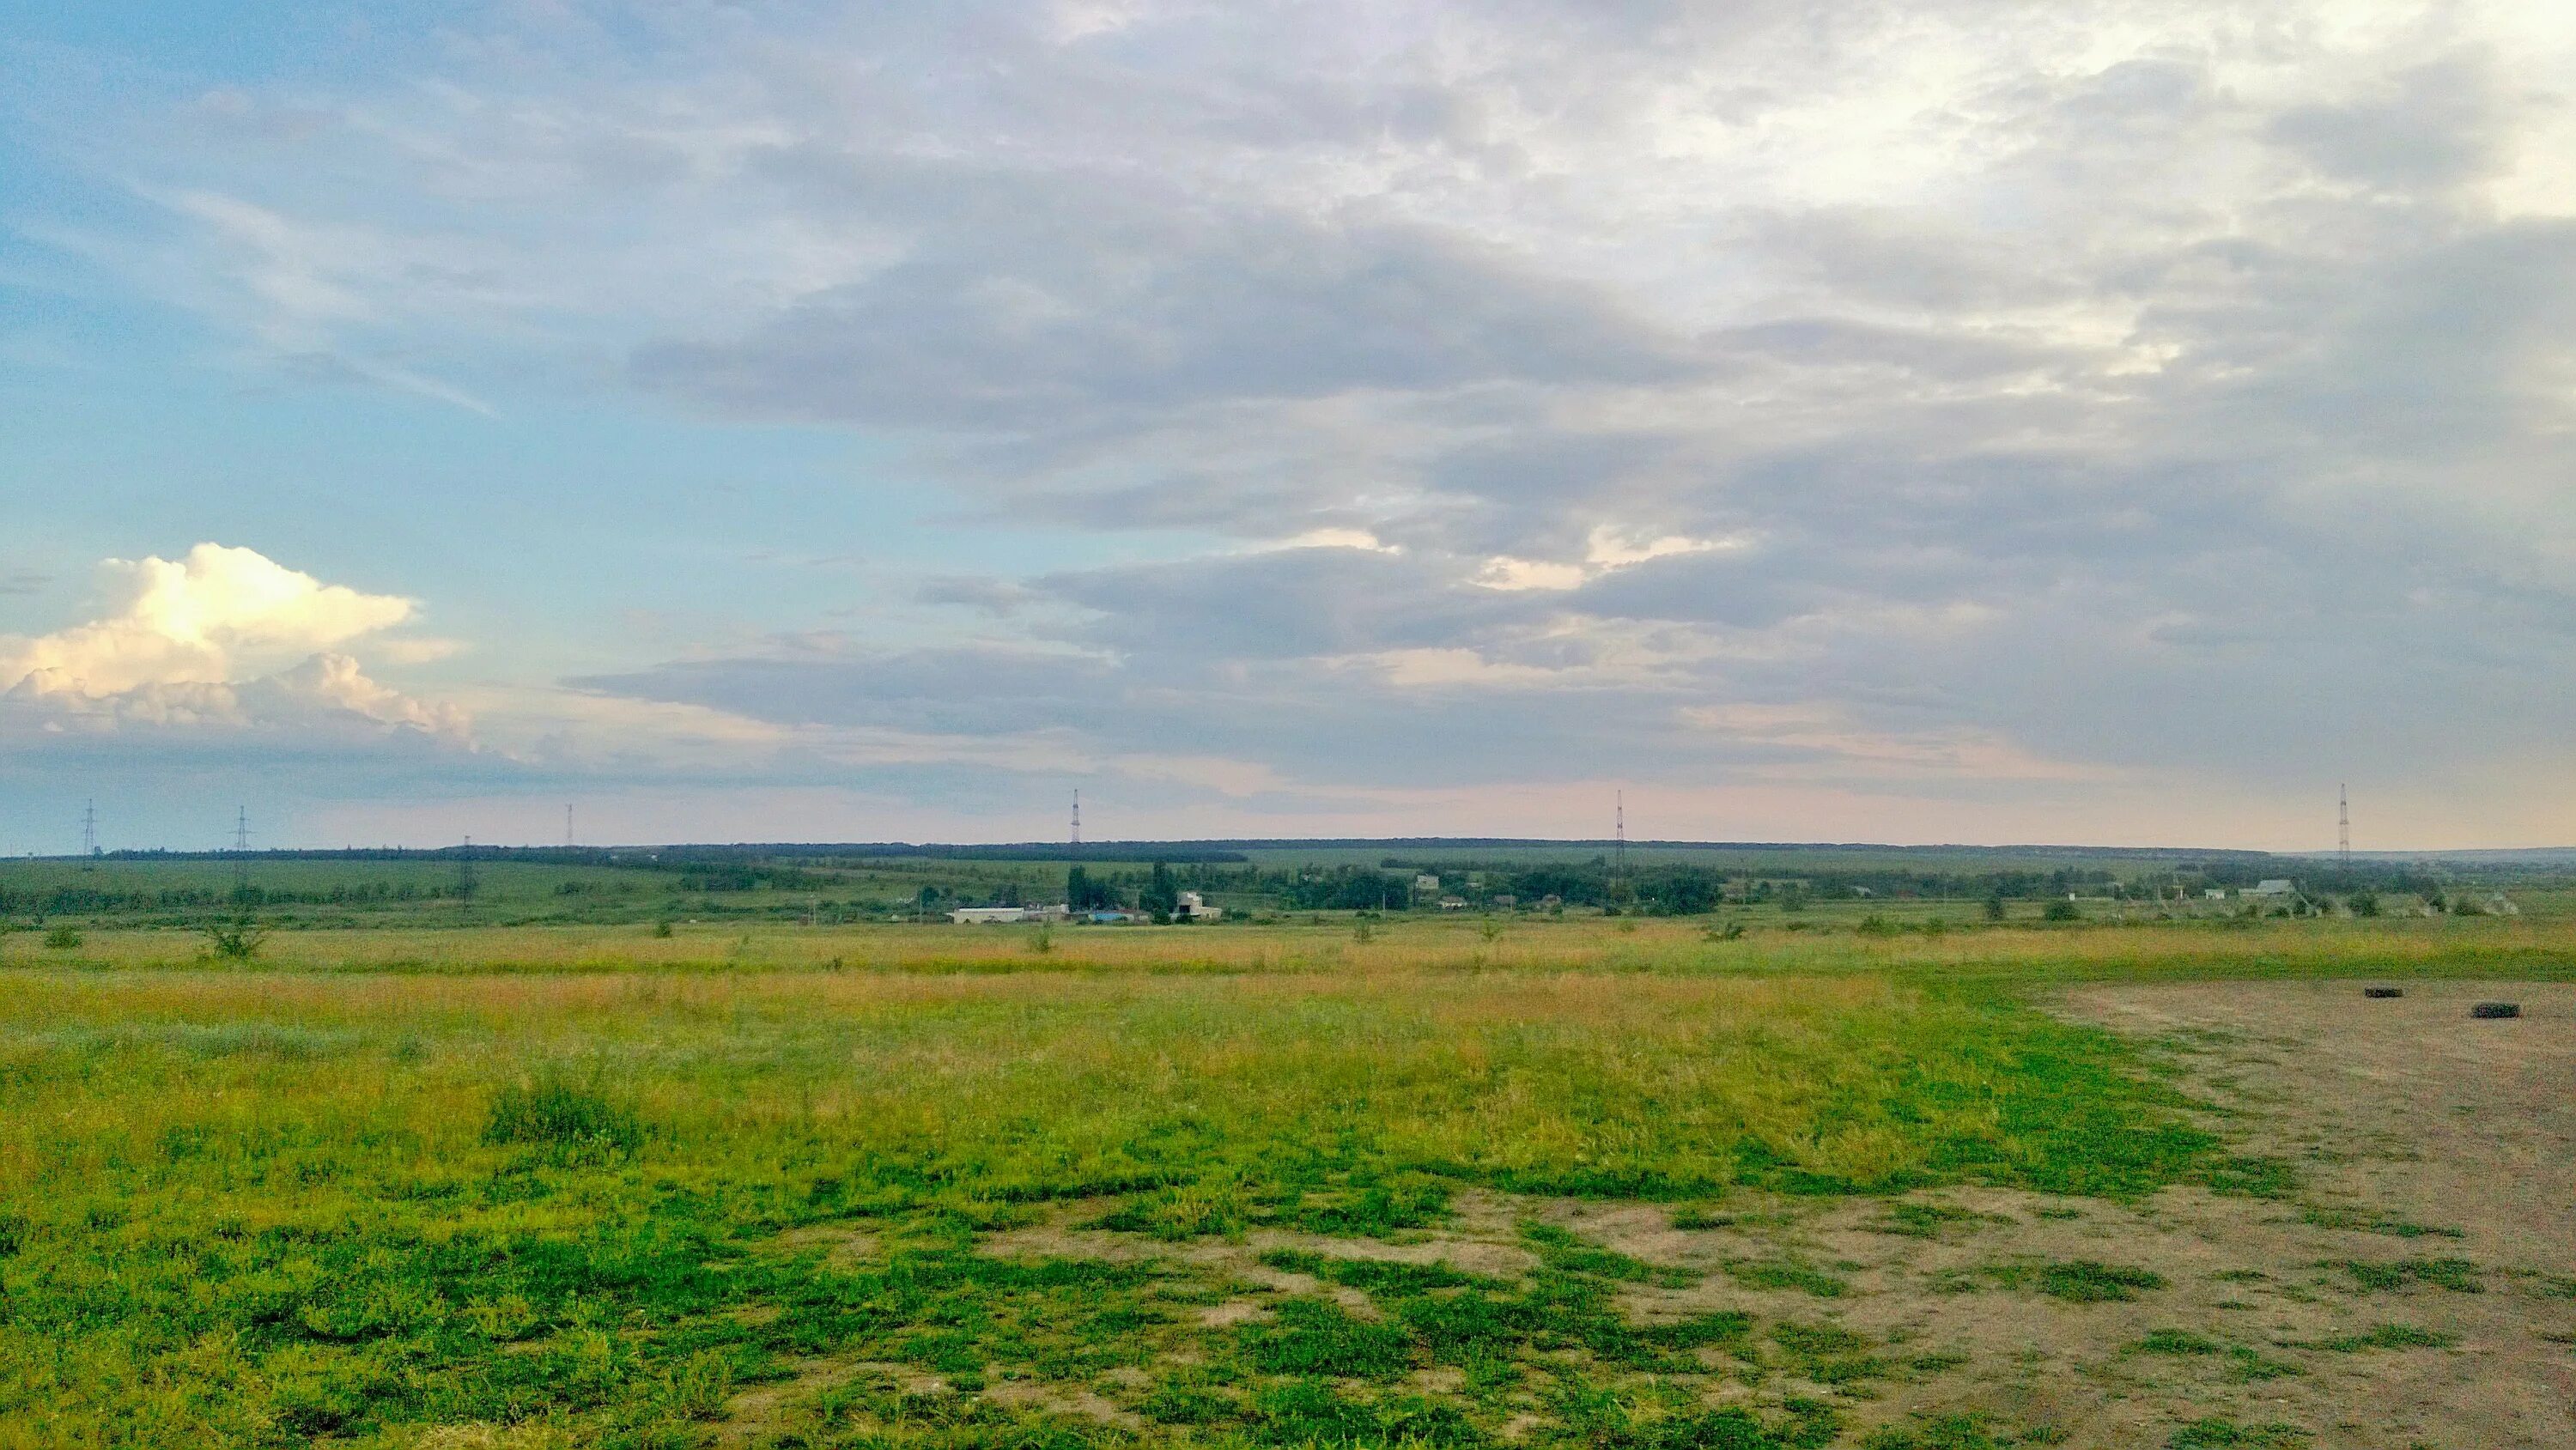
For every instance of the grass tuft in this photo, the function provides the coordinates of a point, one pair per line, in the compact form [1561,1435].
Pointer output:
[552,1113]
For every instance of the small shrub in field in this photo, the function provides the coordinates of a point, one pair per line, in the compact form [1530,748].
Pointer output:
[662,930]
[1364,933]
[2061,910]
[1490,929]
[1876,925]
[1042,941]
[236,941]
[63,938]
[559,1115]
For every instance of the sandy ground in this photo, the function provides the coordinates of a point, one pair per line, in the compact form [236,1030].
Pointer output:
[2436,1158]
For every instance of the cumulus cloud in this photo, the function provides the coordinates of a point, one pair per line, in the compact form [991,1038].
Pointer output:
[223,639]
[216,615]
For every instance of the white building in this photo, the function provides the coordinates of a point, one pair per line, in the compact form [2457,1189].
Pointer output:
[1194,907]
[987,915]
[2274,887]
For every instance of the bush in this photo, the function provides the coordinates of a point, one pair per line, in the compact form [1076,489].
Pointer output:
[553,1113]
[2061,910]
[1876,925]
[238,940]
[63,938]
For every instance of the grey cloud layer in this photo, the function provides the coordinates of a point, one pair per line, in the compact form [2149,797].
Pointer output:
[1956,371]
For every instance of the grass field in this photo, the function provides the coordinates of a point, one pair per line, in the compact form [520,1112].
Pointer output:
[1577,1182]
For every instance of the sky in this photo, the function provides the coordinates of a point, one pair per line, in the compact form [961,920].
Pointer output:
[2081,421]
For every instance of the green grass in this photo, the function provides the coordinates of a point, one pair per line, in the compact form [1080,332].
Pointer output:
[2220,1433]
[2459,1276]
[548,1184]
[2386,1336]
[2367,1221]
[2177,1341]
[2077,1281]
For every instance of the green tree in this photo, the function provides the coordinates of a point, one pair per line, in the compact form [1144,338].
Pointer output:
[1162,894]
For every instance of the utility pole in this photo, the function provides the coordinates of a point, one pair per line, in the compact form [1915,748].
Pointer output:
[1077,818]
[567,825]
[89,829]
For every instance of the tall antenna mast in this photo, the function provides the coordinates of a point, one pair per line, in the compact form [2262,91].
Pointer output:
[2343,827]
[1077,818]
[89,828]
[567,824]
[1620,825]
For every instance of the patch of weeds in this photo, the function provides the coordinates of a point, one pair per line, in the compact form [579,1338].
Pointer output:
[2386,1336]
[1935,1432]
[1309,1412]
[2250,1175]
[1371,1210]
[1786,1273]
[2457,1275]
[1188,1401]
[1562,1251]
[1926,1220]
[2246,1365]
[2220,1433]
[2550,1286]
[1215,1205]
[2176,1341]
[1612,1421]
[1378,1276]
[1728,1329]
[1317,1337]
[2080,1281]
[553,1113]
[2363,1221]
[1829,1354]
[1693,1217]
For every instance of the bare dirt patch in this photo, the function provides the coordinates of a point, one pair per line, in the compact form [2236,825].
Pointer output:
[2416,1287]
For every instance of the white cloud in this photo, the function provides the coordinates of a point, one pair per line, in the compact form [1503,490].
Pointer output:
[218,615]
[225,639]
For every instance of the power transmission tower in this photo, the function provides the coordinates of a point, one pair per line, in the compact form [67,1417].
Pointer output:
[567,825]
[1619,860]
[241,852]
[1077,818]
[2343,828]
[89,829]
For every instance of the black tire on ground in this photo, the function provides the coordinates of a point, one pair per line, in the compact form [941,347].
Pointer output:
[2496,1009]
[2383,991]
